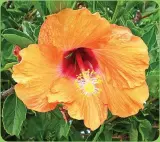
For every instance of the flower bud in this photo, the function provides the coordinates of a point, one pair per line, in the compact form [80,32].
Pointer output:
[16,51]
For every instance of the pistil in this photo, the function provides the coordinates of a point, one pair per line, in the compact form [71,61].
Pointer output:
[87,80]
[77,61]
[80,61]
[81,64]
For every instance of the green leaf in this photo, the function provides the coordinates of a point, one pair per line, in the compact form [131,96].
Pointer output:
[154,55]
[153,82]
[150,36]
[7,19]
[36,31]
[145,129]
[8,65]
[75,135]
[47,126]
[41,7]
[17,37]
[64,129]
[133,132]
[131,4]
[121,12]
[13,113]
[29,29]
[56,6]
[98,133]
[4,12]
[15,12]
[135,30]
[23,6]
[110,4]
[10,23]
[153,136]
[108,132]
[7,54]
[118,12]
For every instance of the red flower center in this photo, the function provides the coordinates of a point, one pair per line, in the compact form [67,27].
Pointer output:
[74,61]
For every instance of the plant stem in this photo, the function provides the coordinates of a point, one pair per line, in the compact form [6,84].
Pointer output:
[94,6]
[99,133]
[147,15]
[8,92]
[32,13]
[74,4]
[152,100]
[111,119]
[119,3]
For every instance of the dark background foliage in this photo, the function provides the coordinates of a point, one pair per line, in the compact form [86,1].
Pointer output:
[20,24]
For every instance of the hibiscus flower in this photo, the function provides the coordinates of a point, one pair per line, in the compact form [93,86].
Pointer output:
[86,63]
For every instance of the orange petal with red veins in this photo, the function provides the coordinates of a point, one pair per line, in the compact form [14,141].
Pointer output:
[35,75]
[70,29]
[123,59]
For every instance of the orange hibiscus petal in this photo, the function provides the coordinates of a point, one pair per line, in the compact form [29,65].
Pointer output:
[35,75]
[72,28]
[89,108]
[123,59]
[62,91]
[126,102]
[34,97]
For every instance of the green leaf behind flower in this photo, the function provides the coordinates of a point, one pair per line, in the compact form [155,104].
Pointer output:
[13,115]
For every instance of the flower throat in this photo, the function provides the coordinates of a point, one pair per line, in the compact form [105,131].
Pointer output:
[74,61]
[81,64]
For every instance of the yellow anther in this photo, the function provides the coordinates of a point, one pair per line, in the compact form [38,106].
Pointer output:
[89,87]
[88,82]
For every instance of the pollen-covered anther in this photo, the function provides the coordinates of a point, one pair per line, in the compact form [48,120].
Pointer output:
[88,82]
